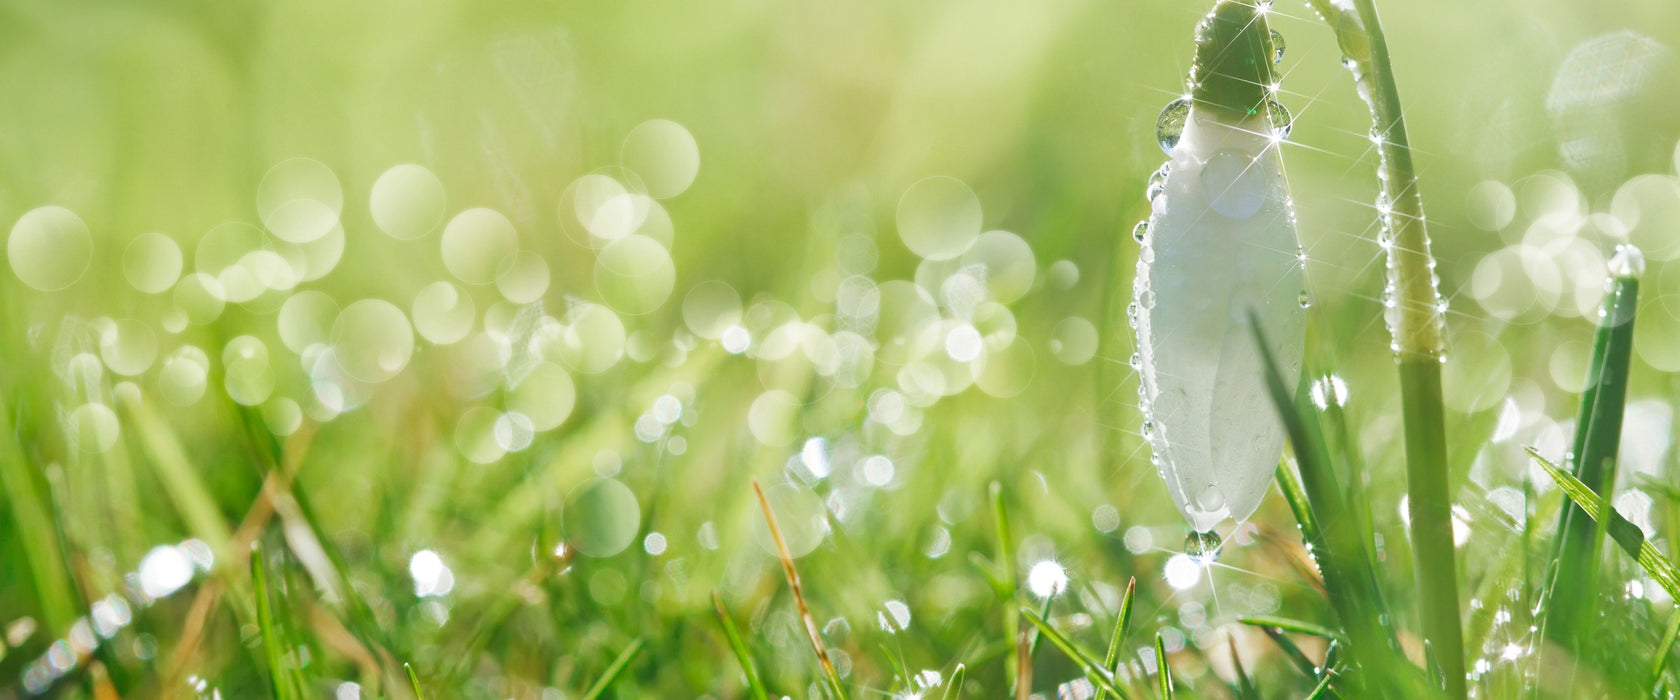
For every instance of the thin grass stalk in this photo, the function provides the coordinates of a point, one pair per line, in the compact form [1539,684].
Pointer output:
[1122,621]
[1163,672]
[414,681]
[1659,662]
[1245,688]
[1023,665]
[811,628]
[1598,433]
[615,670]
[738,644]
[1348,569]
[1098,674]
[268,626]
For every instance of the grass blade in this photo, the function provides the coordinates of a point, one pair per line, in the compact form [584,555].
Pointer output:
[953,687]
[1660,660]
[1322,690]
[1625,534]
[269,629]
[1598,433]
[1122,621]
[1246,690]
[811,628]
[1080,657]
[1297,626]
[615,670]
[1162,671]
[414,681]
[39,535]
[739,645]
[1349,574]
[1291,650]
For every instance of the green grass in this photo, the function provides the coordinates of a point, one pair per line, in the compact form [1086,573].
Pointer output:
[755,564]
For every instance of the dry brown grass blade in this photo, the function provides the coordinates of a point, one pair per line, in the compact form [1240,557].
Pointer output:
[798,591]
[262,510]
[1023,664]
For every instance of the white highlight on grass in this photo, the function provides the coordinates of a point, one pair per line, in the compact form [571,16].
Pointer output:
[164,570]
[1182,572]
[1047,579]
[431,576]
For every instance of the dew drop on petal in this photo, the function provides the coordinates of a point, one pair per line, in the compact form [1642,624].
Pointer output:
[1170,125]
[1204,546]
[1282,121]
[1277,46]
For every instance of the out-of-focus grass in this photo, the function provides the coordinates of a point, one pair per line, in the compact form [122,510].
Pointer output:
[811,122]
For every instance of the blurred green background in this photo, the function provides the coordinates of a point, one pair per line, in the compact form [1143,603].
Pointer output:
[811,122]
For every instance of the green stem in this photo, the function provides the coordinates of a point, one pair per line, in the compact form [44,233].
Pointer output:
[1433,556]
[1413,309]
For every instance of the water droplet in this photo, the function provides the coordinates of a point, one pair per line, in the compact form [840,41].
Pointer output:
[1140,231]
[1277,46]
[1282,121]
[1146,299]
[1148,429]
[1137,361]
[1203,545]
[1170,125]
[1305,299]
[1627,262]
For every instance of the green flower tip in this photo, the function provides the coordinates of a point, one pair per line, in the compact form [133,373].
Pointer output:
[1232,73]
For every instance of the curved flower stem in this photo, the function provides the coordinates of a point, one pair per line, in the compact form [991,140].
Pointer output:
[1413,310]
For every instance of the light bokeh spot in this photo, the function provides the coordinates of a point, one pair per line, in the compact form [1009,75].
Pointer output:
[407,201]
[49,248]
